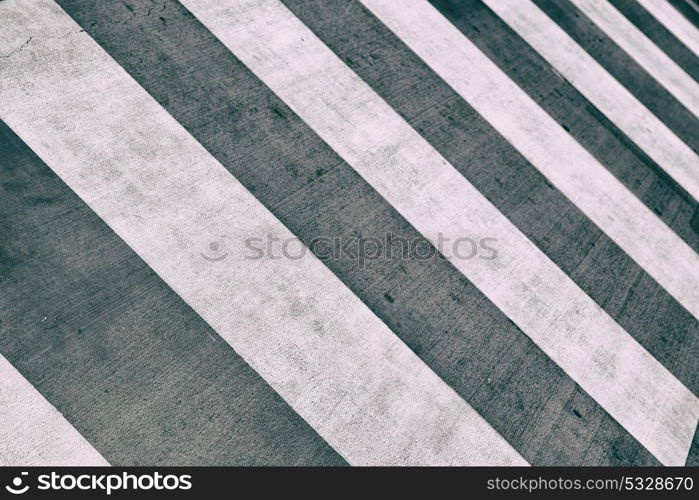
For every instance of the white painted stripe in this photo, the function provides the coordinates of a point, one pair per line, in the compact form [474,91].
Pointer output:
[602,90]
[293,321]
[33,432]
[569,166]
[637,45]
[627,381]
[675,22]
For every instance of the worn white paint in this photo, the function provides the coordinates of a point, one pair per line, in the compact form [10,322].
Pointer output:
[540,298]
[293,321]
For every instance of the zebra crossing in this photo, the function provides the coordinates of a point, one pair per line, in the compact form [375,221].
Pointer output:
[137,133]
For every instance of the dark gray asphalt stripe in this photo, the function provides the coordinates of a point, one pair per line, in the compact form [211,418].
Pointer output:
[688,8]
[624,69]
[519,191]
[582,120]
[427,303]
[660,35]
[108,343]
[693,458]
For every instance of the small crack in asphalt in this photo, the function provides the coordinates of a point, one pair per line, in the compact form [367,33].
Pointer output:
[21,47]
[18,49]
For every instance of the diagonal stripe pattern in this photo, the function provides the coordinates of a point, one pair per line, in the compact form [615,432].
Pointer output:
[290,133]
